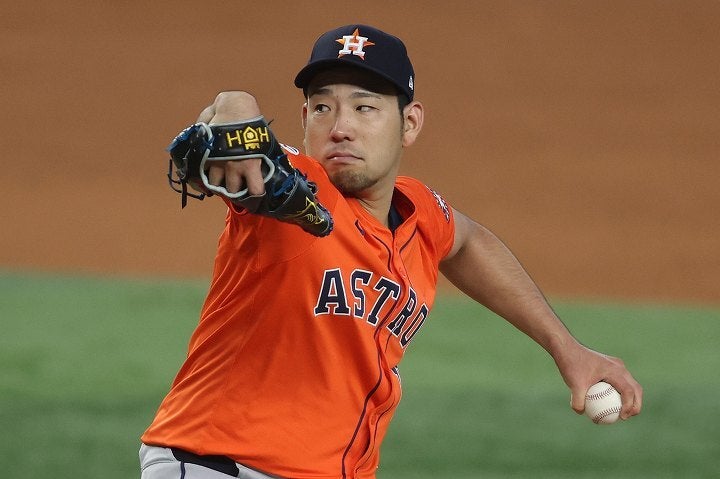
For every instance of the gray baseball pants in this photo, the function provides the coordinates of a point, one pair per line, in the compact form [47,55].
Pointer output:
[166,463]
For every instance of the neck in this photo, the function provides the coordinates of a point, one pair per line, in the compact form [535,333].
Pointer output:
[379,209]
[377,200]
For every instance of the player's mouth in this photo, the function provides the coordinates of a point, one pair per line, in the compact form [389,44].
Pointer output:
[342,157]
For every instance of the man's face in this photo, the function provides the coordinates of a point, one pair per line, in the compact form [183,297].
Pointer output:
[354,132]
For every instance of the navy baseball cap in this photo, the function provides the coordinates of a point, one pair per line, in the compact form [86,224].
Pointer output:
[364,47]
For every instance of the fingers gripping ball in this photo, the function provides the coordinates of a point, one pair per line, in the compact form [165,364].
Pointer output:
[288,197]
[602,403]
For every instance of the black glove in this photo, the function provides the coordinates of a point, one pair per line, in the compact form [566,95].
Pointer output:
[288,196]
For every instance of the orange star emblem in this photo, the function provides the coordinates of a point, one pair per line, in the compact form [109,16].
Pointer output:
[354,44]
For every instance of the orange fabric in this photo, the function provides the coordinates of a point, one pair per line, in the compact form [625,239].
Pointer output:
[292,369]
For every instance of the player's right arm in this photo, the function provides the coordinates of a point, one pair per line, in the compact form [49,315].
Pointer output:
[481,266]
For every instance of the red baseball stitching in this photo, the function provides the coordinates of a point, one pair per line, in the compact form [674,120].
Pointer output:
[601,394]
[605,413]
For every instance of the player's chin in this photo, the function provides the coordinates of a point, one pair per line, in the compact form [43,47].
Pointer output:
[349,182]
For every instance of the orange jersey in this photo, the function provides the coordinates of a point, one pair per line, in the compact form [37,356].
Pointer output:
[292,369]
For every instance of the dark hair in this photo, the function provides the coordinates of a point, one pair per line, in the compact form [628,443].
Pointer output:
[403,101]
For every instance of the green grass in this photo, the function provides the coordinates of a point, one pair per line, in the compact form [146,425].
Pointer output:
[482,400]
[84,363]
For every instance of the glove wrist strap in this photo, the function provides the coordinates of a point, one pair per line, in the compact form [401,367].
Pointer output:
[239,141]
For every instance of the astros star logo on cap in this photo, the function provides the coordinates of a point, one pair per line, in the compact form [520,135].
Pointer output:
[353,44]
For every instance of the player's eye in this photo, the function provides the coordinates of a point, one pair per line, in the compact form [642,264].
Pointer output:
[365,108]
[321,108]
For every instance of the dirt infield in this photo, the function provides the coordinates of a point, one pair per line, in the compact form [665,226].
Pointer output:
[586,134]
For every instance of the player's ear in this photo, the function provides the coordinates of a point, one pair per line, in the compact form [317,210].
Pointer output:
[413,115]
[304,115]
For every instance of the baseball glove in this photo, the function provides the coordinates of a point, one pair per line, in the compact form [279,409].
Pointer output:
[288,196]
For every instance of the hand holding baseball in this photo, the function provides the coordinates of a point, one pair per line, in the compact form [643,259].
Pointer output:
[582,367]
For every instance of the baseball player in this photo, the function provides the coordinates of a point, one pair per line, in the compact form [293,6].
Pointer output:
[325,272]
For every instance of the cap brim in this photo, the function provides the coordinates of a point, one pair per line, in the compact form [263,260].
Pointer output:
[305,76]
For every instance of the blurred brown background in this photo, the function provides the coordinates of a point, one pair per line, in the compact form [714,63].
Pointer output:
[585,134]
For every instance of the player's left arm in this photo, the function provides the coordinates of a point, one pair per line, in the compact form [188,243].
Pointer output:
[481,266]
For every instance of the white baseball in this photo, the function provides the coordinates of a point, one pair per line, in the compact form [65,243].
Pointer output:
[602,403]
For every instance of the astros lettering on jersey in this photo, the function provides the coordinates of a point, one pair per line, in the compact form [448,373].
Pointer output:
[338,314]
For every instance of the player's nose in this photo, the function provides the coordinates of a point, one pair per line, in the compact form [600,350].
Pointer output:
[342,128]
